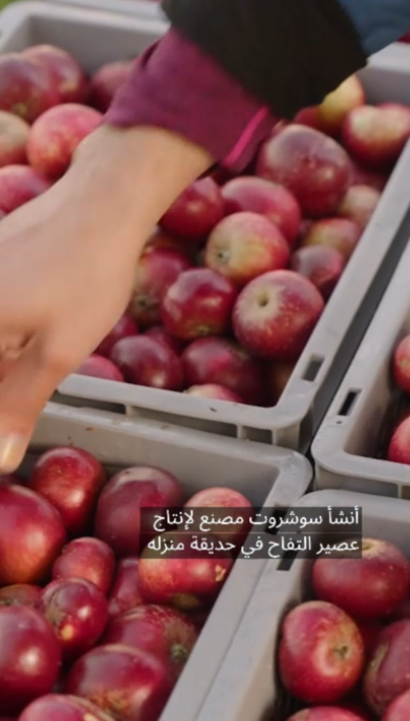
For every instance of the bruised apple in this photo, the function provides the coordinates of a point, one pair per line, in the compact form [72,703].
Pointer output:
[87,558]
[14,133]
[340,234]
[106,81]
[66,73]
[26,88]
[196,211]
[19,184]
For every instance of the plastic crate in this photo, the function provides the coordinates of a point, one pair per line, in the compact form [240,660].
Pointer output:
[150,8]
[247,687]
[267,476]
[98,37]
[353,432]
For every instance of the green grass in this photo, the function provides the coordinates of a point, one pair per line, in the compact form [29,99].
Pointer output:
[3,3]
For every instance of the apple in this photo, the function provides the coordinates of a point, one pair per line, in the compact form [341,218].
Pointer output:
[59,707]
[223,502]
[326,713]
[163,632]
[401,365]
[278,375]
[97,366]
[314,167]
[338,233]
[271,200]
[276,313]
[159,239]
[26,89]
[159,333]
[376,135]
[198,303]
[308,116]
[399,446]
[245,245]
[214,392]
[19,184]
[371,178]
[148,361]
[14,133]
[87,558]
[370,632]
[399,709]
[55,136]
[401,611]
[223,362]
[188,580]
[124,328]
[65,72]
[156,271]
[322,265]
[125,592]
[31,536]
[118,520]
[106,81]
[339,103]
[321,653]
[359,204]
[78,613]
[20,594]
[70,479]
[388,671]
[196,211]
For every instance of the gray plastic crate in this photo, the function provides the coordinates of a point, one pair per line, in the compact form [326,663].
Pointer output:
[267,476]
[97,37]
[247,688]
[150,8]
[348,440]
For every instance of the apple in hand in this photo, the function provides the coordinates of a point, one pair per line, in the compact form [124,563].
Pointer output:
[388,671]
[70,479]
[196,211]
[97,366]
[125,591]
[198,303]
[271,200]
[321,653]
[87,558]
[359,204]
[399,446]
[245,245]
[340,234]
[399,709]
[276,313]
[26,88]
[66,74]
[19,184]
[106,81]
[320,264]
[124,328]
[314,167]
[366,588]
[147,361]
[214,392]
[376,135]
[14,133]
[326,713]
[401,365]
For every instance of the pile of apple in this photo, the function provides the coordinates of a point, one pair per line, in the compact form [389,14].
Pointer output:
[234,279]
[398,449]
[345,656]
[93,623]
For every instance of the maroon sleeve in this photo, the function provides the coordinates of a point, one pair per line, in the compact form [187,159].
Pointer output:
[176,86]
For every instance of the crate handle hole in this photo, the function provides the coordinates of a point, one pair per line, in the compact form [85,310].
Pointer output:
[312,369]
[349,403]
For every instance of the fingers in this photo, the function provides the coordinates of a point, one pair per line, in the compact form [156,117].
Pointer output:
[24,390]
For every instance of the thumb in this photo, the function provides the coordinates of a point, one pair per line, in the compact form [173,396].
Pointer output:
[24,391]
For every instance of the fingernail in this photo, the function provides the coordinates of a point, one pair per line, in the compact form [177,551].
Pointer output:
[12,450]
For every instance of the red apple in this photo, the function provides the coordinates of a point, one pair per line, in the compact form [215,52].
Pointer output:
[125,592]
[376,135]
[337,104]
[310,164]
[160,334]
[56,135]
[388,671]
[368,587]
[163,632]
[97,366]
[401,365]
[66,74]
[215,392]
[78,613]
[326,713]
[223,502]
[128,684]
[338,233]
[188,580]
[156,271]
[118,519]
[224,362]
[355,705]
[245,245]
[359,204]
[401,611]
[87,558]
[147,361]
[19,184]
[271,200]
[323,266]
[399,709]
[278,375]
[159,240]
[197,210]
[106,81]
[58,707]
[399,446]
[29,658]
[71,479]
[14,133]
[405,38]
[370,632]
[26,89]
[371,178]
[20,594]
[308,116]
[124,328]
[321,653]
[31,536]
[276,313]
[199,303]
